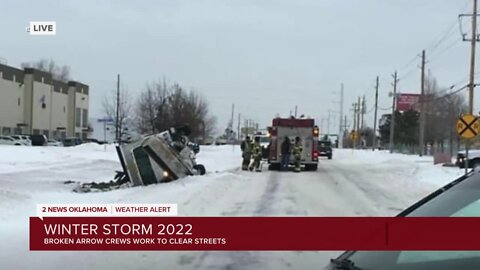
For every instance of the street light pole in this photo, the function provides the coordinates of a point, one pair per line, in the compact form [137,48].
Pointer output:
[117,111]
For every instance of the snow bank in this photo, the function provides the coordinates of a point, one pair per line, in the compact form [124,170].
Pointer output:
[416,168]
[354,183]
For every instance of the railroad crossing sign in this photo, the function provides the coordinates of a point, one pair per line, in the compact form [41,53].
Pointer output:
[468,126]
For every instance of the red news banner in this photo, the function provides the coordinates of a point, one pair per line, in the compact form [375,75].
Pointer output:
[253,233]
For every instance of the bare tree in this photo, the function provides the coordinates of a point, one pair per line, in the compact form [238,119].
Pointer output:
[150,107]
[161,107]
[109,105]
[61,73]
[442,111]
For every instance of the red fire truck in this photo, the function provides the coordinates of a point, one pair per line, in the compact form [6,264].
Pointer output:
[292,128]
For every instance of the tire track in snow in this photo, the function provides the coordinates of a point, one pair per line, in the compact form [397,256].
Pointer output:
[380,189]
[264,206]
[244,259]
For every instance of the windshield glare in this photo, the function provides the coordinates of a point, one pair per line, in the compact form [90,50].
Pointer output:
[462,200]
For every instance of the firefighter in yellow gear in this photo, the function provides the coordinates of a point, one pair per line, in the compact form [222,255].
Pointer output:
[297,154]
[246,147]
[256,155]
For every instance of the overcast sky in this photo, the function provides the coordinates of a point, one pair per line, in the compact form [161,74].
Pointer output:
[265,56]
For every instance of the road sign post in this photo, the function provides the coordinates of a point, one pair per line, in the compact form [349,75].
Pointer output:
[353,137]
[468,127]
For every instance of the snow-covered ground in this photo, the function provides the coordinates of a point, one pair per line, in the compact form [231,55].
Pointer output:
[354,183]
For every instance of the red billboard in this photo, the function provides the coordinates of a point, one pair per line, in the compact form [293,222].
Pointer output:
[407,102]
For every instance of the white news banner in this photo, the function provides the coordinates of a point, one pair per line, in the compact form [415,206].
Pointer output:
[106,210]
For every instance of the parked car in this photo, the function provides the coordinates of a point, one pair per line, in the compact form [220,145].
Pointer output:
[221,141]
[52,142]
[72,141]
[10,141]
[473,158]
[91,140]
[209,141]
[265,144]
[23,138]
[39,140]
[325,149]
[460,198]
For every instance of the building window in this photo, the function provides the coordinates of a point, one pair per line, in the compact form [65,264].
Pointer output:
[78,117]
[18,102]
[36,132]
[85,118]
[64,109]
[18,131]
[77,135]
[6,131]
[63,135]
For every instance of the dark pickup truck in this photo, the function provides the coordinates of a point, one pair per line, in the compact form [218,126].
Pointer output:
[325,149]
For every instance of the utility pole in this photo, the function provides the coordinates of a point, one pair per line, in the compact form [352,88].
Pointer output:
[245,127]
[345,126]
[321,125]
[375,117]
[355,124]
[238,127]
[340,127]
[117,120]
[472,58]
[474,38]
[359,105]
[230,125]
[392,119]
[421,141]
[354,105]
[363,112]
[328,123]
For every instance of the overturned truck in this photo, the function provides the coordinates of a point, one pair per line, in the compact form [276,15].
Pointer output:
[161,157]
[154,159]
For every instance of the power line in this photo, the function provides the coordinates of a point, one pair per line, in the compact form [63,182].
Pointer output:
[445,37]
[408,73]
[409,62]
[445,49]
[435,56]
[435,43]
[446,95]
[371,109]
